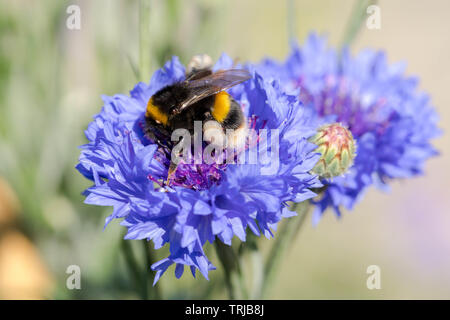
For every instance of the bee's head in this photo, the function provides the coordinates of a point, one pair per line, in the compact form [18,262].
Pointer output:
[165,104]
[170,98]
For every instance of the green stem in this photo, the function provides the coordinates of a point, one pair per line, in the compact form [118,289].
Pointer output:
[133,268]
[357,17]
[285,237]
[207,290]
[291,20]
[257,266]
[232,269]
[148,273]
[144,40]
[141,279]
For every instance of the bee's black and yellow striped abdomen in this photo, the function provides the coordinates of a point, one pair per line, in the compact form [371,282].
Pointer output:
[227,111]
[222,107]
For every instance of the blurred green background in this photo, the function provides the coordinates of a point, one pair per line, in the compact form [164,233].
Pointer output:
[51,80]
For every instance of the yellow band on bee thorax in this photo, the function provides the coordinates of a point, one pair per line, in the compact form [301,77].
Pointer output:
[155,113]
[221,106]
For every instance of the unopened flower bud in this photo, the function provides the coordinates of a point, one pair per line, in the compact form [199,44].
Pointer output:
[336,145]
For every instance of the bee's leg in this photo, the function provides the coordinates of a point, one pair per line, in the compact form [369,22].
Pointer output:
[163,137]
[171,171]
[149,134]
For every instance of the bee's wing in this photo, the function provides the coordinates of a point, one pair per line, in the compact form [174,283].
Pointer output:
[213,83]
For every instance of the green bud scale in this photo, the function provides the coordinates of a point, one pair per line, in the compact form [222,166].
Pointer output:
[338,149]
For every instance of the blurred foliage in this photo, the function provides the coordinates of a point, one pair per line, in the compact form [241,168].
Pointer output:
[51,79]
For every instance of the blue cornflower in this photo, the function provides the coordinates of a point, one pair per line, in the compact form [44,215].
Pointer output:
[202,202]
[390,119]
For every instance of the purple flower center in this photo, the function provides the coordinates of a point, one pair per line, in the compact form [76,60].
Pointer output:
[343,99]
[190,175]
[197,176]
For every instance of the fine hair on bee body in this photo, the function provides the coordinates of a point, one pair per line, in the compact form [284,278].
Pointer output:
[200,97]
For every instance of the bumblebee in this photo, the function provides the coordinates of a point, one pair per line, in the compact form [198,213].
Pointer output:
[201,97]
